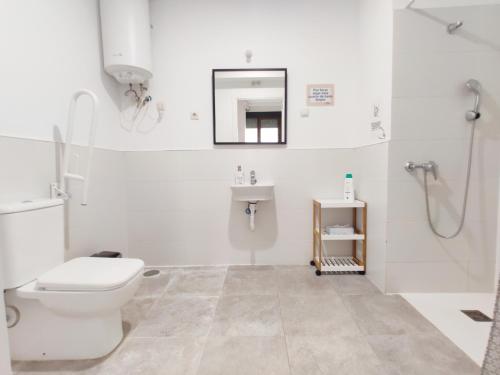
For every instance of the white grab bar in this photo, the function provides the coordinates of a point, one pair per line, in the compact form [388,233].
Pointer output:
[69,140]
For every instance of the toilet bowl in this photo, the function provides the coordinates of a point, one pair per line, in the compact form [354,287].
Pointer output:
[73,310]
[59,310]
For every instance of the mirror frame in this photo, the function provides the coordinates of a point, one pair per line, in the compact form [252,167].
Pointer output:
[284,141]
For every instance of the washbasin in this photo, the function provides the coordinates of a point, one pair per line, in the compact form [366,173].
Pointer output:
[253,193]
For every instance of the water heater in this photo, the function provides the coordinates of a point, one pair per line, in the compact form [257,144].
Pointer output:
[126,39]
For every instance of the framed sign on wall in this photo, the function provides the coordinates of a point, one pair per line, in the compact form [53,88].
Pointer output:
[320,95]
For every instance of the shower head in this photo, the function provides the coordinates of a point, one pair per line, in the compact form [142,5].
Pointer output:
[474,86]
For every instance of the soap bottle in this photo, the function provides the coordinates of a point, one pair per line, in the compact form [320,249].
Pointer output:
[239,178]
[348,188]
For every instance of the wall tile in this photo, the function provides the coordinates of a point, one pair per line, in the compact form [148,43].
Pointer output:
[432,36]
[446,199]
[431,118]
[438,74]
[435,277]
[430,69]
[424,246]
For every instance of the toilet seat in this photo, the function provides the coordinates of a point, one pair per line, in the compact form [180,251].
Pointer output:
[73,324]
[90,274]
[86,286]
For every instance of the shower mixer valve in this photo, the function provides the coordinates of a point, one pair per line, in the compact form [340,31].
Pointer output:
[429,166]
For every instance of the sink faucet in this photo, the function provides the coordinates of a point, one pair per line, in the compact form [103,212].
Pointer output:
[253,180]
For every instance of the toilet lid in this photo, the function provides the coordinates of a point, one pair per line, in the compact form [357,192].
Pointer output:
[90,274]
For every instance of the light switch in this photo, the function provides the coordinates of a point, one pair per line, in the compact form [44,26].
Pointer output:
[304,112]
[194,116]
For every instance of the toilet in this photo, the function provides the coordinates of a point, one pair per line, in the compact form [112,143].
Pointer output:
[59,310]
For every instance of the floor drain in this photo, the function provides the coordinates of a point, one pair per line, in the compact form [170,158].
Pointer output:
[477,315]
[151,273]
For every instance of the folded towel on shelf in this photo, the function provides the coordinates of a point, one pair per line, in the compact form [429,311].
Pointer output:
[339,229]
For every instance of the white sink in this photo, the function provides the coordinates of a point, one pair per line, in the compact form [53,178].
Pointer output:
[253,193]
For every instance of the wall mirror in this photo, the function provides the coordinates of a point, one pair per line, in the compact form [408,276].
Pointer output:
[249,106]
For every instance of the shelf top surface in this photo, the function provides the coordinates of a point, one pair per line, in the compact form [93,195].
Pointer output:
[339,203]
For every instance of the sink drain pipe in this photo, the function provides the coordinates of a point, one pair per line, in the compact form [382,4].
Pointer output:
[251,210]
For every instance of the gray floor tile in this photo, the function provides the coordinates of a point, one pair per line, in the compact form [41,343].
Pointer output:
[429,354]
[134,312]
[225,355]
[203,268]
[298,280]
[316,315]
[386,314]
[247,316]
[154,287]
[197,282]
[248,280]
[83,367]
[313,355]
[155,356]
[178,316]
[248,267]
[353,284]
[333,325]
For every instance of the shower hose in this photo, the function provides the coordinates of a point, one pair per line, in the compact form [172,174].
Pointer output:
[466,193]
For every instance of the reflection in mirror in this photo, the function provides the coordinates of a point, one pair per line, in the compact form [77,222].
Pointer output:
[249,106]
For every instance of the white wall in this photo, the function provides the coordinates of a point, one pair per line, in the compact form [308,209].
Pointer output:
[376,41]
[101,225]
[51,49]
[174,207]
[180,204]
[180,209]
[181,212]
[318,41]
[372,188]
[429,103]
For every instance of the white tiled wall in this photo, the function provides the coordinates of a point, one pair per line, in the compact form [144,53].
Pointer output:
[28,167]
[372,188]
[181,211]
[430,99]
[175,207]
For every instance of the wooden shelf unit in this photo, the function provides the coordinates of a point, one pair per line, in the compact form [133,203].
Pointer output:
[353,263]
